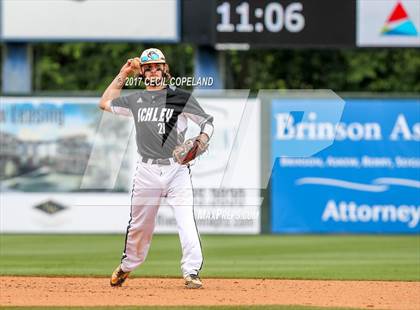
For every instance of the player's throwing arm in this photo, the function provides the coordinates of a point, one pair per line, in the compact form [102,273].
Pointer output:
[114,89]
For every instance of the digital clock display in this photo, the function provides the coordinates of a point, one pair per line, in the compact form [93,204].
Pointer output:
[285,22]
[273,17]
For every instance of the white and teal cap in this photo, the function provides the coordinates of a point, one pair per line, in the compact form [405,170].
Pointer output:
[152,56]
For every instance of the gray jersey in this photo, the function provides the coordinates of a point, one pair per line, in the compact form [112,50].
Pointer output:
[160,118]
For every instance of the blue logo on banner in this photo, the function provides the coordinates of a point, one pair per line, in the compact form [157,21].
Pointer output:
[367,181]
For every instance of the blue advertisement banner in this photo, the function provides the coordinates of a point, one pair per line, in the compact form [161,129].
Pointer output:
[366,181]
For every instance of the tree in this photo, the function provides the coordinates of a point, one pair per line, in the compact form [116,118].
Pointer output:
[89,67]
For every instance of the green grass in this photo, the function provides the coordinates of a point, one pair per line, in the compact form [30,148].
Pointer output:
[266,256]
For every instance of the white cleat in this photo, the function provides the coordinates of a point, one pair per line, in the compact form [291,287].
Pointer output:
[193,281]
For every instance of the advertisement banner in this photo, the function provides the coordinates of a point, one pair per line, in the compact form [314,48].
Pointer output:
[367,181]
[93,20]
[64,162]
[46,144]
[388,23]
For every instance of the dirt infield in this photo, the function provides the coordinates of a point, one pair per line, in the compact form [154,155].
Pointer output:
[43,291]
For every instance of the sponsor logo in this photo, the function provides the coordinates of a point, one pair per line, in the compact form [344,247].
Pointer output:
[50,207]
[351,212]
[399,23]
[377,185]
[313,130]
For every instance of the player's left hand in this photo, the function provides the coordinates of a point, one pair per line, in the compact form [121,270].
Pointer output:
[191,149]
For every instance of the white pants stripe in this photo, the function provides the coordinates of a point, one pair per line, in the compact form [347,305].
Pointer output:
[154,185]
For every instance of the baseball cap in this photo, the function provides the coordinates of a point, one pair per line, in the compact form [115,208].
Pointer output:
[152,56]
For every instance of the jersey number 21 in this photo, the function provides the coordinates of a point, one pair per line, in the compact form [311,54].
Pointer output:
[161,127]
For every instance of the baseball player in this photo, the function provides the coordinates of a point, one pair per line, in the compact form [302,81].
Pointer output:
[160,115]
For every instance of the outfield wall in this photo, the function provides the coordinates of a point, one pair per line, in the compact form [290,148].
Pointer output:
[66,167]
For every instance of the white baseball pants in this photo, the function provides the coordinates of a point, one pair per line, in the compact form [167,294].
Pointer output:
[151,184]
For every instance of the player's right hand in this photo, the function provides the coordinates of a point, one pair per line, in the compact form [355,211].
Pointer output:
[131,66]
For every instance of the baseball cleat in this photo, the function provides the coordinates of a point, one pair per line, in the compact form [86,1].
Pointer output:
[118,277]
[193,281]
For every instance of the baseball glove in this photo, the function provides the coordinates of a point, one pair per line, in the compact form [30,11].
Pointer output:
[190,149]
